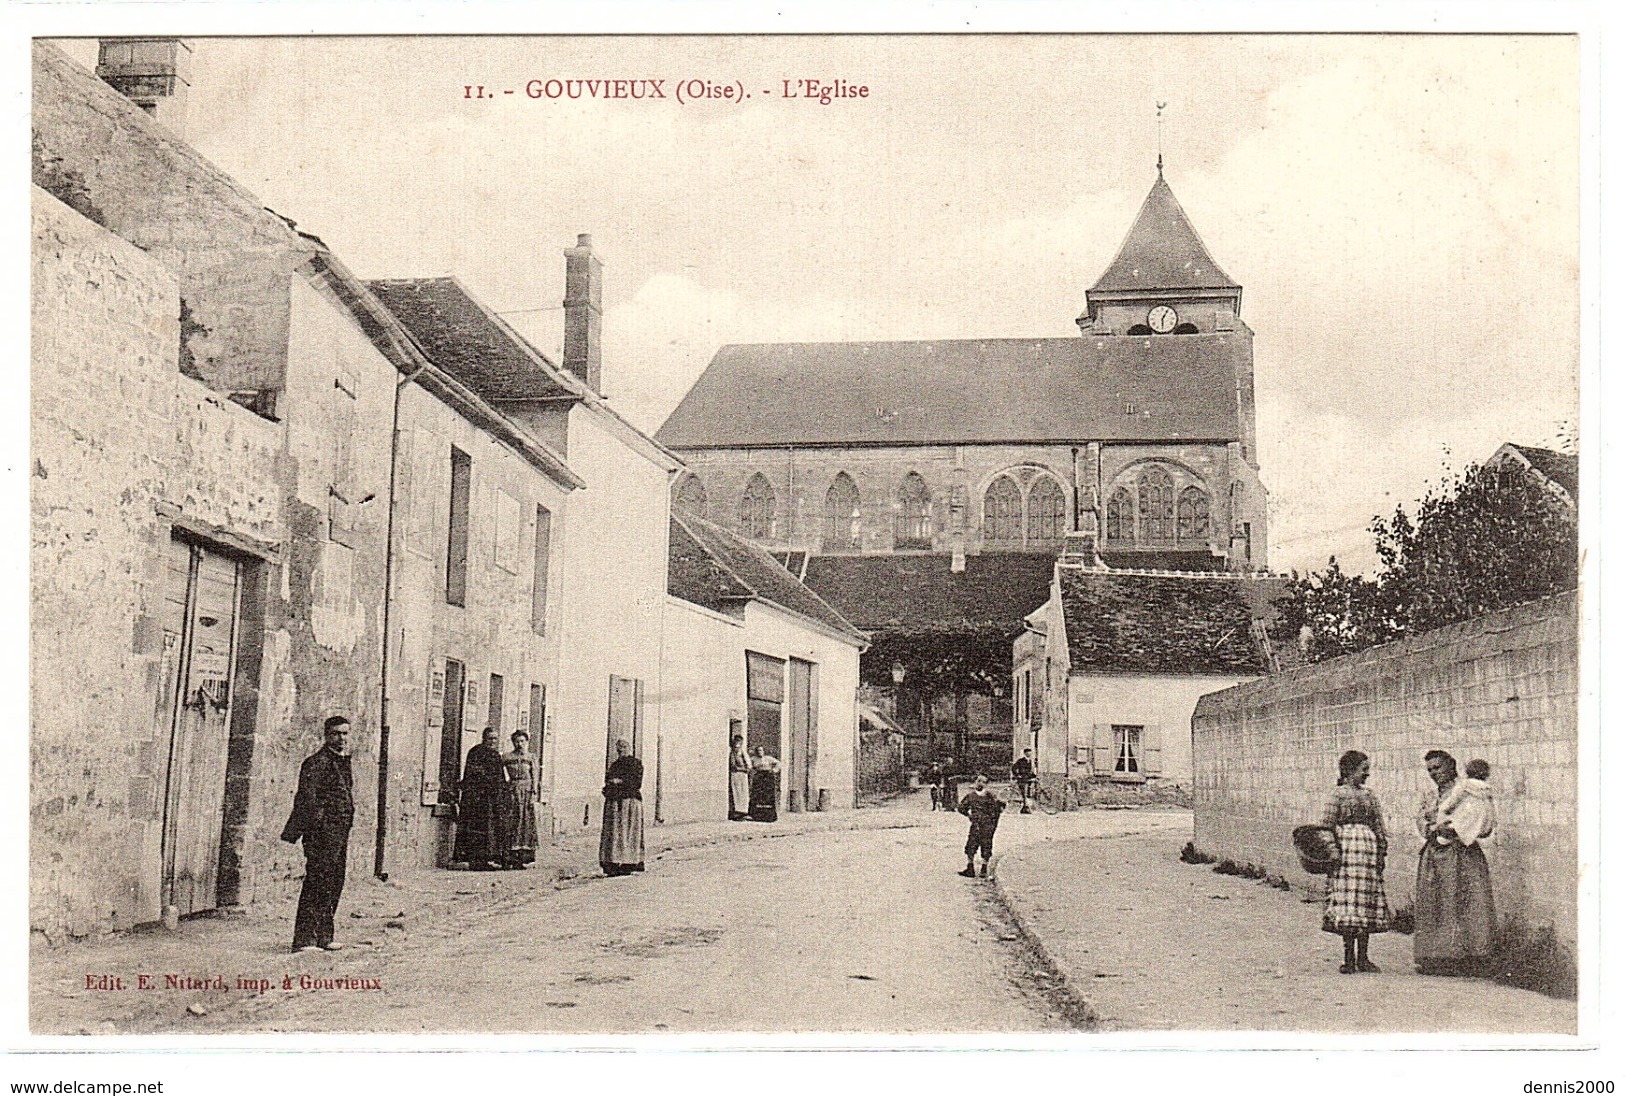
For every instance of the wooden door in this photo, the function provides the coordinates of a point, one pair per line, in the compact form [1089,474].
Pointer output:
[201,596]
[798,716]
[451,734]
[625,716]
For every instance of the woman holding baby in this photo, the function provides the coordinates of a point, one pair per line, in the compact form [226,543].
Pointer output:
[1455,906]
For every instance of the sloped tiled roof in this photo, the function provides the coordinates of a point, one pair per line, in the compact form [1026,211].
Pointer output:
[1162,251]
[717,569]
[1562,469]
[1136,623]
[915,594]
[462,337]
[1095,388]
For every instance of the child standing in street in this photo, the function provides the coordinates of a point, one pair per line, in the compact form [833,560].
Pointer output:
[983,808]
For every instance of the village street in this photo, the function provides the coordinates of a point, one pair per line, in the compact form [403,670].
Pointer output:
[858,922]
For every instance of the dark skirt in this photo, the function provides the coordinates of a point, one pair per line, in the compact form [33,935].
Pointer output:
[620,845]
[1455,906]
[1356,901]
[764,796]
[480,836]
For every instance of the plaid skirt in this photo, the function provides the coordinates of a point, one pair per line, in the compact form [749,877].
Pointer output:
[1355,900]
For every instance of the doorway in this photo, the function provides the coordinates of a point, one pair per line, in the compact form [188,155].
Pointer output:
[199,617]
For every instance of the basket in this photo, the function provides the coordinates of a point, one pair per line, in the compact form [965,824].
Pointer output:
[1317,849]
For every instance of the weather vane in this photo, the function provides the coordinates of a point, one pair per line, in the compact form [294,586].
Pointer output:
[1160,107]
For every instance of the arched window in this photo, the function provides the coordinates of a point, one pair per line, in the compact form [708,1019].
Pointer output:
[1193,515]
[1185,329]
[913,513]
[691,495]
[1140,329]
[841,515]
[1046,512]
[1001,511]
[756,509]
[1120,517]
[1156,507]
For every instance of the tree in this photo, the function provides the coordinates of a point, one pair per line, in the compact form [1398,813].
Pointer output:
[1483,539]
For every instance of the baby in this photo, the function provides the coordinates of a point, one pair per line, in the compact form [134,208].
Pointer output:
[1469,810]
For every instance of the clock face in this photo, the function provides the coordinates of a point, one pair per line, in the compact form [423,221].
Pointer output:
[1162,319]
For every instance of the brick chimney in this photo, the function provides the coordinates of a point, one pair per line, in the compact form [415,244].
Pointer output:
[153,73]
[584,313]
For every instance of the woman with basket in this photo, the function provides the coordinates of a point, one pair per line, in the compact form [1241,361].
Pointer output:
[1356,902]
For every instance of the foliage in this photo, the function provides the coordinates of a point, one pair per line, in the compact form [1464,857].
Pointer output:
[939,661]
[1484,539]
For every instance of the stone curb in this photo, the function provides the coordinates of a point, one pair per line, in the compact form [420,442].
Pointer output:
[1076,1007]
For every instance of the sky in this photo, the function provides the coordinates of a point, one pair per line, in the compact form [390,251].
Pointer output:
[1403,211]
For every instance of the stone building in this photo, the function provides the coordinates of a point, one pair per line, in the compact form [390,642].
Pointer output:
[868,464]
[211,433]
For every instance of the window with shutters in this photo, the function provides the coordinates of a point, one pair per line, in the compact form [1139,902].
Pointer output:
[1046,513]
[1001,511]
[913,513]
[1127,749]
[542,558]
[462,476]
[842,516]
[691,495]
[756,509]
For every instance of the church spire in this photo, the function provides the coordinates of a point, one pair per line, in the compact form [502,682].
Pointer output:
[1160,107]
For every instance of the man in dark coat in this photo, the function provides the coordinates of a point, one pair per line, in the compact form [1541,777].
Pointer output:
[323,811]
[1025,776]
[983,808]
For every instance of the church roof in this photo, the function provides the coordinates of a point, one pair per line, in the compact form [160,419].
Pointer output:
[1122,622]
[713,567]
[1562,469]
[965,391]
[1162,251]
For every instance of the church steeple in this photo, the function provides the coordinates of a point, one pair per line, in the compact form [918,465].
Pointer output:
[1162,269]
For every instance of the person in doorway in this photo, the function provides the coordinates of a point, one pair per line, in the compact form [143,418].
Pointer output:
[480,795]
[1026,777]
[983,808]
[620,845]
[1455,904]
[764,786]
[738,780]
[518,821]
[323,812]
[1356,902]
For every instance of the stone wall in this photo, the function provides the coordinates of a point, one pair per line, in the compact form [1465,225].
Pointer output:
[958,478]
[1503,688]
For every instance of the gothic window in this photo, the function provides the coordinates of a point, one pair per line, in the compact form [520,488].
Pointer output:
[841,515]
[1046,512]
[756,509]
[1193,515]
[913,513]
[1120,517]
[691,495]
[1001,511]
[1156,507]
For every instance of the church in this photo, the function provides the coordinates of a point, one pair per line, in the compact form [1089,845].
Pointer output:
[927,488]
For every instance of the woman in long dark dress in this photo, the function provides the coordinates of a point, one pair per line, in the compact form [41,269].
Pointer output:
[1455,905]
[620,846]
[764,786]
[1356,901]
[480,840]
[519,804]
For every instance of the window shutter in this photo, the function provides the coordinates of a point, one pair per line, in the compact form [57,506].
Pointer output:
[1103,748]
[1151,747]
